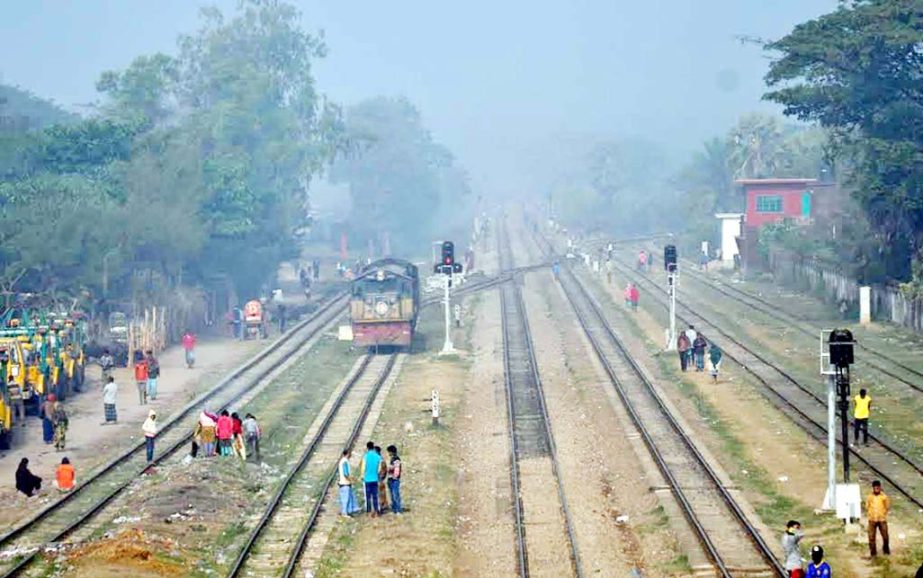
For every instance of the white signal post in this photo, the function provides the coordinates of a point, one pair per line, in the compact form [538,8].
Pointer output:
[448,347]
[671,282]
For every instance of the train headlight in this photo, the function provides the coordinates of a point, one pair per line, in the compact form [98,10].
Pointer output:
[381,308]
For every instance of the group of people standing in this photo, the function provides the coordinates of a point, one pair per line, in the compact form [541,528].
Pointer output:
[147,372]
[877,507]
[691,346]
[377,475]
[225,434]
[54,422]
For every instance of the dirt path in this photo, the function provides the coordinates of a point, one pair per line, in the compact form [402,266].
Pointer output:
[88,443]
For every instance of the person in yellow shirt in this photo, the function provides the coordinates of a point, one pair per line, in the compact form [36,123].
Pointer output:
[861,416]
[877,506]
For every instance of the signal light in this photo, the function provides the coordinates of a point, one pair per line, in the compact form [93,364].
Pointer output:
[669,258]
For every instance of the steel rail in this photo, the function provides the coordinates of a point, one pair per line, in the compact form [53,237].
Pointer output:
[519,306]
[686,506]
[765,307]
[895,452]
[317,316]
[306,455]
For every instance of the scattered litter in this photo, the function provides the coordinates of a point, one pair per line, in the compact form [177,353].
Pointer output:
[408,427]
[126,520]
[623,519]
[783,479]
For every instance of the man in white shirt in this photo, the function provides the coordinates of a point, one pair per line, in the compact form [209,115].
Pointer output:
[110,394]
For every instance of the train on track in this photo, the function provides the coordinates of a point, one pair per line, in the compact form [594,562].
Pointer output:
[385,303]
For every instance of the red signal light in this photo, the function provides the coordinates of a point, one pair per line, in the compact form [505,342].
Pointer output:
[447,260]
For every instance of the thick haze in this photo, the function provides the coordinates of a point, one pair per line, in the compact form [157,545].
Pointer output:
[492,79]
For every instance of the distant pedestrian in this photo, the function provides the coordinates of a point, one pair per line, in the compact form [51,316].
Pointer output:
[556,269]
[206,432]
[65,476]
[682,347]
[634,296]
[141,380]
[225,431]
[861,416]
[153,373]
[370,463]
[791,549]
[382,481]
[47,410]
[642,260]
[107,364]
[189,343]
[348,505]
[650,261]
[315,267]
[237,437]
[703,261]
[110,395]
[27,482]
[281,313]
[714,355]
[61,421]
[252,435]
[698,351]
[877,506]
[394,480]
[149,429]
[818,568]
[17,402]
[691,334]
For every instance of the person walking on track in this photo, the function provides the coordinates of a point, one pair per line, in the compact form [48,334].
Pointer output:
[877,506]
[861,416]
[189,341]
[47,411]
[110,395]
[634,296]
[791,549]
[149,429]
[682,347]
[370,463]
[153,373]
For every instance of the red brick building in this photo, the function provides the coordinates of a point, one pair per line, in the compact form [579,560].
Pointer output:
[771,200]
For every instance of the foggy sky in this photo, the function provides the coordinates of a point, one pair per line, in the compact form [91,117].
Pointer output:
[491,78]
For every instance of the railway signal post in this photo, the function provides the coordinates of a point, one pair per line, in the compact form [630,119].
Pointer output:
[447,267]
[669,263]
[839,357]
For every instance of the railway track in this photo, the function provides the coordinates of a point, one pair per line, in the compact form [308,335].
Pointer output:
[275,544]
[807,409]
[533,455]
[62,518]
[771,310]
[729,539]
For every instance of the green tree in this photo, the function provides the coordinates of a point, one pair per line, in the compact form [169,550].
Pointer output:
[397,174]
[856,71]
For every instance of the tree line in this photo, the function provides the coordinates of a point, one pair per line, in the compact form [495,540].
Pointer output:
[195,168]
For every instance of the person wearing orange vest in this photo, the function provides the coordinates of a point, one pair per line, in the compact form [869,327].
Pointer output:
[861,416]
[65,476]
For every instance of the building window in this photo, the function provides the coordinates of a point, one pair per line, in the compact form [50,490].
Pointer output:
[769,204]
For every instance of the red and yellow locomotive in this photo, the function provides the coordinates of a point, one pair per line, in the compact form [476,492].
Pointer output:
[384,304]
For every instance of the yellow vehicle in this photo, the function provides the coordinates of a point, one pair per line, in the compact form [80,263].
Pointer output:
[12,369]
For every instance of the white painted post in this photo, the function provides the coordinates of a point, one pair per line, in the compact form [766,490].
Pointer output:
[865,305]
[671,338]
[830,498]
[435,406]
[447,347]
